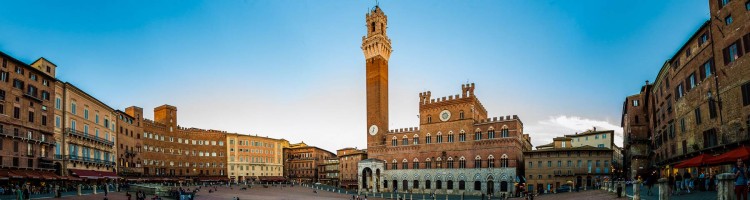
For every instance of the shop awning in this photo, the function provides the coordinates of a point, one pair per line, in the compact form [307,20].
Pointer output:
[27,174]
[742,152]
[109,175]
[697,161]
[48,175]
[88,174]
[6,174]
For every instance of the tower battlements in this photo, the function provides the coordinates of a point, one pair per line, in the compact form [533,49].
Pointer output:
[405,130]
[467,91]
[498,119]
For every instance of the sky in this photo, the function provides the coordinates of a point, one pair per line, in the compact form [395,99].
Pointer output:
[295,70]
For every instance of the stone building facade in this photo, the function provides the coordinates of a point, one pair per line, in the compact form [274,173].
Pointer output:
[26,125]
[457,149]
[254,158]
[301,162]
[85,132]
[547,169]
[170,150]
[637,133]
[129,145]
[348,159]
[329,172]
[700,99]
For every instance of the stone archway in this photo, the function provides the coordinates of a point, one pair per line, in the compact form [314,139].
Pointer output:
[367,179]
[490,185]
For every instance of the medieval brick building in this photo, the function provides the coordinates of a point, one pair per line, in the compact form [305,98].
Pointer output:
[457,148]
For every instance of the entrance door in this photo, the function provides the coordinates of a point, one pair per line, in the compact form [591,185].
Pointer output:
[490,187]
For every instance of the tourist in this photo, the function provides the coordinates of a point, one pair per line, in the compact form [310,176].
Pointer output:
[740,180]
[678,181]
[688,181]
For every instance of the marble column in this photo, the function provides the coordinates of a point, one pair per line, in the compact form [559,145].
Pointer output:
[663,189]
[725,190]
[636,191]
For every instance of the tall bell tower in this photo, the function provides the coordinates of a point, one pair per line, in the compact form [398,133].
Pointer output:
[377,49]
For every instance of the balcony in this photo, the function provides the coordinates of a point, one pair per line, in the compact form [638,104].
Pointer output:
[84,136]
[89,160]
[130,153]
[32,96]
[36,138]
[131,170]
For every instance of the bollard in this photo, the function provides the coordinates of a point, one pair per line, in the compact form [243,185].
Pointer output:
[636,191]
[79,189]
[663,189]
[94,188]
[725,189]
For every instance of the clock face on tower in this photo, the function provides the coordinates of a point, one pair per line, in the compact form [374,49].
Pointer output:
[373,129]
[445,115]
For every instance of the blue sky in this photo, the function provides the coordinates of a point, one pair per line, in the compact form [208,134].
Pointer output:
[294,69]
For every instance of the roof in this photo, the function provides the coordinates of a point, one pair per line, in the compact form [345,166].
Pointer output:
[581,148]
[27,65]
[371,160]
[88,95]
[590,133]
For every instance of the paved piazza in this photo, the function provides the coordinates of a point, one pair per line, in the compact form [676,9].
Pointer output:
[297,192]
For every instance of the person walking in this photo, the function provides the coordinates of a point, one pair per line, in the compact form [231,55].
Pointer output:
[687,182]
[678,181]
[740,180]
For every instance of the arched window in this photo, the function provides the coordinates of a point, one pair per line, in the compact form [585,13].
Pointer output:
[462,162]
[415,164]
[462,136]
[439,162]
[478,134]
[427,184]
[477,162]
[428,139]
[405,164]
[438,184]
[429,119]
[461,185]
[461,114]
[450,163]
[504,161]
[394,165]
[373,27]
[416,184]
[415,139]
[491,161]
[477,185]
[404,140]
[504,132]
[491,133]
[428,163]
[394,141]
[439,137]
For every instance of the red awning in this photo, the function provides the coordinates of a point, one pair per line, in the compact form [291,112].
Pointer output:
[6,174]
[89,174]
[47,175]
[742,152]
[27,174]
[697,161]
[110,175]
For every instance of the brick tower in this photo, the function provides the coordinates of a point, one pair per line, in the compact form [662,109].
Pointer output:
[377,49]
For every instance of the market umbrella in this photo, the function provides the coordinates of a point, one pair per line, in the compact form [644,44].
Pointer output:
[696,161]
[742,152]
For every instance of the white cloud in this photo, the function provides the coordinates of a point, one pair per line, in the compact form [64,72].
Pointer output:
[543,131]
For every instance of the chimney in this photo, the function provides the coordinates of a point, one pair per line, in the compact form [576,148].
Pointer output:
[594,128]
